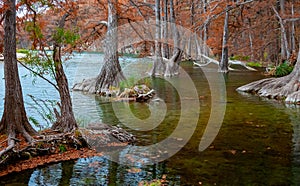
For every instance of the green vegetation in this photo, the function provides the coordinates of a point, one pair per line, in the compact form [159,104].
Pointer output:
[254,64]
[44,108]
[283,69]
[131,81]
[240,58]
[32,27]
[66,36]
[151,183]
[41,63]
[23,51]
[34,122]
[62,148]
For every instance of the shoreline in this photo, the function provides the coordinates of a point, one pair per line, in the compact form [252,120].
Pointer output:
[63,150]
[19,56]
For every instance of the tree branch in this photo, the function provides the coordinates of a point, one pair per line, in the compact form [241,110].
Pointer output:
[292,19]
[215,16]
[2,18]
[38,74]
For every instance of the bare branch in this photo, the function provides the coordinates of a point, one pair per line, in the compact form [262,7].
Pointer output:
[282,28]
[292,19]
[215,16]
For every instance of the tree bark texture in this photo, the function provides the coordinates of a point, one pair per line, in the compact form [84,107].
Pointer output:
[157,68]
[66,120]
[111,72]
[14,119]
[165,30]
[224,60]
[287,87]
[285,53]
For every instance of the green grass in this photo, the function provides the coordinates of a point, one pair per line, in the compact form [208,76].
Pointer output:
[23,51]
[254,64]
[132,81]
[240,58]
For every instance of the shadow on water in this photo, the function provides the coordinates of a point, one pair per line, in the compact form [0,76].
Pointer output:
[258,143]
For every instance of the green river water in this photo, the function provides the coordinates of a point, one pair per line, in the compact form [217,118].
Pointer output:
[257,144]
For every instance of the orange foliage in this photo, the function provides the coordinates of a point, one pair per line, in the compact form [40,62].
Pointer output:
[253,27]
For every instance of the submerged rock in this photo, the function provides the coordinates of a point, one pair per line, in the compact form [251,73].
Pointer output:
[100,135]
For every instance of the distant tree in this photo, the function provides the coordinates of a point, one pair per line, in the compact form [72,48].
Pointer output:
[161,64]
[223,66]
[157,63]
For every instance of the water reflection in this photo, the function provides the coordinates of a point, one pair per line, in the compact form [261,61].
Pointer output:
[50,175]
[258,143]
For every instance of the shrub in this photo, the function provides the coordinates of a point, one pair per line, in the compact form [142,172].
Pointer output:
[283,70]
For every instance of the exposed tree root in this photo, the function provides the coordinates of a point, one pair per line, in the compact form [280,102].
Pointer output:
[231,62]
[7,149]
[286,88]
[51,144]
[89,86]
[167,67]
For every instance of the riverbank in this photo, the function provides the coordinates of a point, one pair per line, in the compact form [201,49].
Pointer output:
[57,147]
[19,56]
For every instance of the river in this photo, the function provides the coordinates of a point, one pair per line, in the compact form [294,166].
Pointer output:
[256,144]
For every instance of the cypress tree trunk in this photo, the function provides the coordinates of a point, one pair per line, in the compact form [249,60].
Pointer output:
[223,67]
[172,64]
[165,31]
[157,68]
[111,73]
[287,87]
[65,121]
[14,119]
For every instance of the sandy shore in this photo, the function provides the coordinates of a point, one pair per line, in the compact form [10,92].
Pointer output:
[19,56]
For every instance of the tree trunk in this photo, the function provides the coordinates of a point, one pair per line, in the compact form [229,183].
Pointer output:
[287,87]
[205,29]
[111,73]
[223,67]
[165,31]
[285,53]
[157,68]
[192,13]
[172,64]
[293,42]
[14,119]
[66,121]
